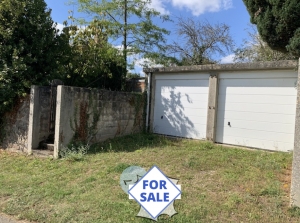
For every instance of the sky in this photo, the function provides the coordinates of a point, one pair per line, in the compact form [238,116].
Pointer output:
[231,12]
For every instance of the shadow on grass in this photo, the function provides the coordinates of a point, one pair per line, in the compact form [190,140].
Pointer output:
[132,143]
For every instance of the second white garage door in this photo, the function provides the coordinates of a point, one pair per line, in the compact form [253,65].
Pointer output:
[180,107]
[257,109]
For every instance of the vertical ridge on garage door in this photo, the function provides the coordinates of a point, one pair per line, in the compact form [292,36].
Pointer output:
[180,107]
[257,109]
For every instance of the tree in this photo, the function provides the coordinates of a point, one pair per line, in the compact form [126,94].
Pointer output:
[132,21]
[255,49]
[278,23]
[30,48]
[199,42]
[92,61]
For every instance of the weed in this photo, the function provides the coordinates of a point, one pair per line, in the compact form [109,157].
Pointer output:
[294,211]
[74,153]
[90,179]
[191,162]
[208,145]
[272,189]
[119,168]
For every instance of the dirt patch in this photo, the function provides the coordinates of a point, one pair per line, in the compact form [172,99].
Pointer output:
[285,178]
[9,219]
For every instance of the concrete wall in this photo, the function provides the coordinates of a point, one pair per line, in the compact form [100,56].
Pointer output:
[94,115]
[16,126]
[27,124]
[39,114]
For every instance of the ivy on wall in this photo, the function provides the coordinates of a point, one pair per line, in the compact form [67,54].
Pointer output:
[84,131]
[86,117]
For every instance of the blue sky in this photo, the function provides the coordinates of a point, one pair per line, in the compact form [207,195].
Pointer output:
[230,12]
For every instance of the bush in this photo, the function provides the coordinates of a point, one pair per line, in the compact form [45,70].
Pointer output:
[74,153]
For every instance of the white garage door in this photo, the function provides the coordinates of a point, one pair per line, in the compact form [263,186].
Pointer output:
[257,110]
[180,107]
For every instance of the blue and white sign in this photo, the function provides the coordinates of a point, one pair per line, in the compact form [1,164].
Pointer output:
[154,192]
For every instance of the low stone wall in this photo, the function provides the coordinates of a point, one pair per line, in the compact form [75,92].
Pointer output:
[93,115]
[15,131]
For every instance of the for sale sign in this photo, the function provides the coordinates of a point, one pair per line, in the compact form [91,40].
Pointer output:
[154,192]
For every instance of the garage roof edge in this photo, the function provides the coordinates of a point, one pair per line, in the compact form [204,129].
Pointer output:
[270,65]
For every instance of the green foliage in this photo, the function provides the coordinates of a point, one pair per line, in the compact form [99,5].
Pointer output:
[131,143]
[294,211]
[119,168]
[255,49]
[30,48]
[132,75]
[92,61]
[132,22]
[74,152]
[278,23]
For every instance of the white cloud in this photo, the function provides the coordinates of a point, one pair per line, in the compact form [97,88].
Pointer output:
[60,27]
[138,70]
[227,59]
[198,7]
[227,4]
[159,6]
[140,63]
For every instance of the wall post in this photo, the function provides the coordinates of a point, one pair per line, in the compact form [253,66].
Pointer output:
[58,121]
[148,85]
[212,107]
[152,91]
[295,184]
[34,120]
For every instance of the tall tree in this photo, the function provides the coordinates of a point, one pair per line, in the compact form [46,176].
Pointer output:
[30,48]
[199,42]
[255,49]
[133,22]
[92,61]
[278,23]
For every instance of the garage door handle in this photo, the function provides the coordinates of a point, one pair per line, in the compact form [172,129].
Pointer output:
[161,117]
[229,123]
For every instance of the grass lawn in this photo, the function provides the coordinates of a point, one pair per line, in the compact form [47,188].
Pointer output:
[219,184]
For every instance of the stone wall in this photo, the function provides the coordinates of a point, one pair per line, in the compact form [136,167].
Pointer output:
[15,131]
[93,115]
